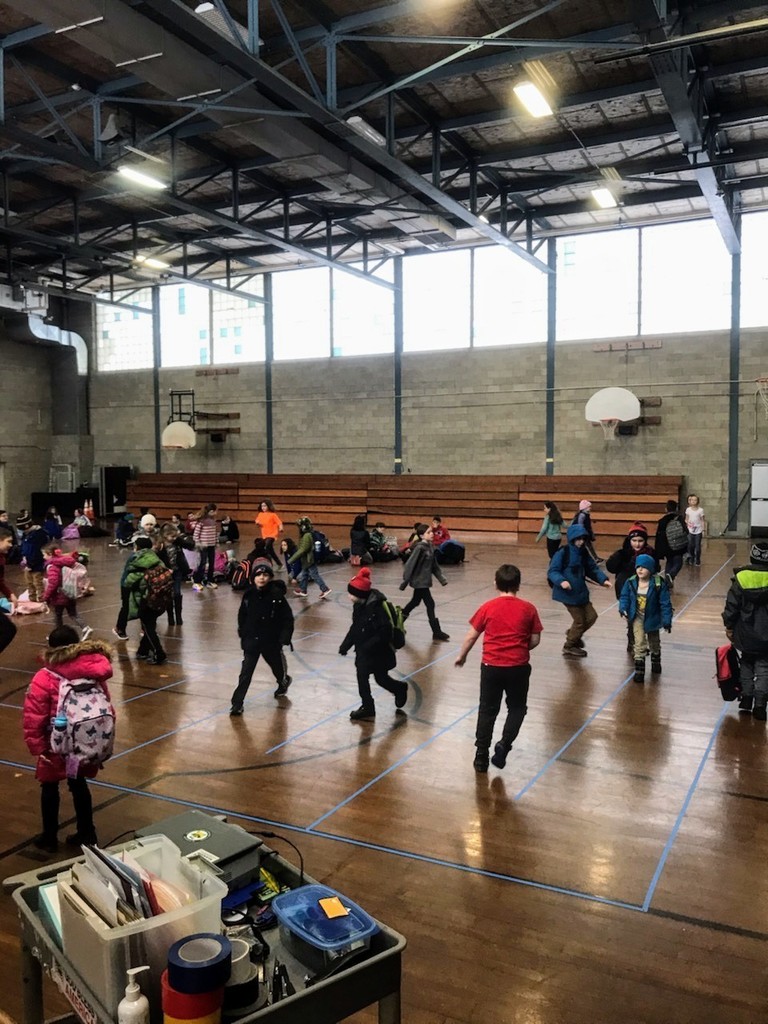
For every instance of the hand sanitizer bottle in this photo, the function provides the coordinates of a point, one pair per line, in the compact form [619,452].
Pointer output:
[133,1008]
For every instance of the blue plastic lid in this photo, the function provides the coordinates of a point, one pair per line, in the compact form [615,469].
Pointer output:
[300,911]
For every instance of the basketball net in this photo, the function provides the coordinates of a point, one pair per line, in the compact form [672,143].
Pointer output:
[610,429]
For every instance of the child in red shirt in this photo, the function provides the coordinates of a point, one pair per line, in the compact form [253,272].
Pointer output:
[511,628]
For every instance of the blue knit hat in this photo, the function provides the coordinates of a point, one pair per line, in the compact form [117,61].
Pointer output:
[645,562]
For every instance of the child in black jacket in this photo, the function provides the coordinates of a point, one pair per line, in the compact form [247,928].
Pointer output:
[745,617]
[265,626]
[371,634]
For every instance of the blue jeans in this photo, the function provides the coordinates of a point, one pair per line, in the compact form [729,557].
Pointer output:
[694,548]
[311,573]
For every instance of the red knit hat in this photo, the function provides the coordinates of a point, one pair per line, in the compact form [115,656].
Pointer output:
[360,585]
[638,529]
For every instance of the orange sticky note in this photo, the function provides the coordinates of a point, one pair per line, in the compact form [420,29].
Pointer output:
[333,907]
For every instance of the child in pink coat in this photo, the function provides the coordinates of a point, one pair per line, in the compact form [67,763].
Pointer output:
[54,595]
[71,658]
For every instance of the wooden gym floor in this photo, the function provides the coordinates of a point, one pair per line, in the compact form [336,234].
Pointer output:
[614,871]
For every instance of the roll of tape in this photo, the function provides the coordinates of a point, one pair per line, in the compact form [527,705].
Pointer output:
[199,963]
[241,962]
[246,994]
[185,1007]
[211,1018]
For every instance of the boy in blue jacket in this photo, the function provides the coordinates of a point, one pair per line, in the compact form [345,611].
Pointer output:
[568,573]
[646,604]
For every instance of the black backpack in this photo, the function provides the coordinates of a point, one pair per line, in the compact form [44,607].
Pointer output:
[676,535]
[727,671]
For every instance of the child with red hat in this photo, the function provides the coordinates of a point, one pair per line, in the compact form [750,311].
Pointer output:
[371,635]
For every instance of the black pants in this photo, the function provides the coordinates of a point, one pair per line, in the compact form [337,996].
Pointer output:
[272,654]
[553,545]
[122,617]
[81,798]
[150,642]
[269,550]
[7,631]
[364,671]
[423,594]
[205,568]
[497,682]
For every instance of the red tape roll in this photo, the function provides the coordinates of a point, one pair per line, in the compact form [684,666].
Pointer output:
[189,1007]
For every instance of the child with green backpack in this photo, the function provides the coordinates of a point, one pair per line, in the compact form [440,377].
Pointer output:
[374,635]
[646,604]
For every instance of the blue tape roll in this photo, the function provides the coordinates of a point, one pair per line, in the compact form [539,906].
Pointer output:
[199,963]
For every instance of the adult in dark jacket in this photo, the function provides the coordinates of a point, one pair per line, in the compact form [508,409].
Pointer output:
[622,562]
[674,559]
[265,626]
[569,570]
[370,634]
[7,627]
[418,572]
[746,624]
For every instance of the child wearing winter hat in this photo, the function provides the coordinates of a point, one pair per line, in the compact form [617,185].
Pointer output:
[745,617]
[584,518]
[67,659]
[371,634]
[305,555]
[646,604]
[569,570]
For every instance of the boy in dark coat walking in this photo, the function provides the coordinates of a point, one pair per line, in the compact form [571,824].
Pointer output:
[371,635]
[746,625]
[569,570]
[265,626]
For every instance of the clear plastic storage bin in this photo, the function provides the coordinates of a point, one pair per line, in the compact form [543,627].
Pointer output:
[313,937]
[101,957]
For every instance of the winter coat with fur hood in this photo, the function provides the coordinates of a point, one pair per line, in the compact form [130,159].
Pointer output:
[89,659]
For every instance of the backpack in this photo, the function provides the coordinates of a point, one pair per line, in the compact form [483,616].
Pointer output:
[676,535]
[727,671]
[83,731]
[242,575]
[74,580]
[321,544]
[395,615]
[158,595]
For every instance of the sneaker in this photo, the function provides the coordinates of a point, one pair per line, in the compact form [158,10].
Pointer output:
[236,710]
[157,659]
[759,713]
[282,687]
[212,586]
[325,593]
[119,635]
[43,842]
[656,666]
[499,758]
[361,714]
[300,593]
[574,652]
[86,632]
[141,656]
[401,697]
[579,643]
[197,586]
[745,705]
[440,635]
[480,763]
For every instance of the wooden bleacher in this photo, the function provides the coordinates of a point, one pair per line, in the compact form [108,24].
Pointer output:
[468,504]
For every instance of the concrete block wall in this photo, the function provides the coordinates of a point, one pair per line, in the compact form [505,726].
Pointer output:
[480,411]
[25,398]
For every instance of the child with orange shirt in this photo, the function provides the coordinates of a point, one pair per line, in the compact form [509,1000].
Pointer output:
[271,526]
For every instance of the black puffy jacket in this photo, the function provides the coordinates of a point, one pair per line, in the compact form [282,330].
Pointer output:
[746,610]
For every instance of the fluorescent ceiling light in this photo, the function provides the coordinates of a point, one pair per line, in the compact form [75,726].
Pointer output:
[604,198]
[204,8]
[389,247]
[152,263]
[361,126]
[532,99]
[140,178]
[77,24]
[197,95]
[483,218]
[138,60]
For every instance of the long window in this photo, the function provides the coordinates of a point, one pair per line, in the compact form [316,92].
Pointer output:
[754,270]
[510,299]
[436,301]
[363,313]
[238,323]
[124,336]
[184,325]
[301,314]
[686,279]
[597,285]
